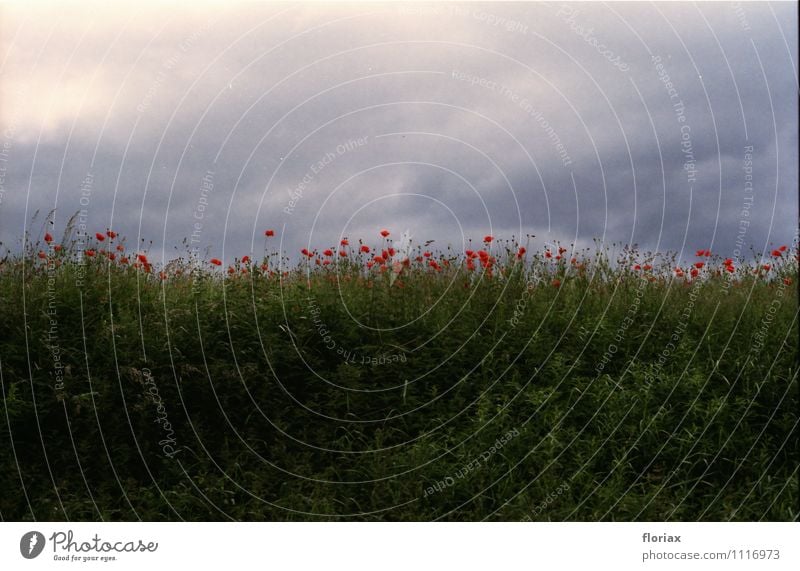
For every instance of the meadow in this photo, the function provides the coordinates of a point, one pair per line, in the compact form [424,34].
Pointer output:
[374,380]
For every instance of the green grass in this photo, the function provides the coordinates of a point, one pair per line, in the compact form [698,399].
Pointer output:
[280,407]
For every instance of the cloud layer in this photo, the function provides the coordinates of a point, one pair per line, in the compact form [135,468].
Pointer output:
[673,126]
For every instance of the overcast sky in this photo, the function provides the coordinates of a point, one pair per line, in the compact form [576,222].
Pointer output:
[621,121]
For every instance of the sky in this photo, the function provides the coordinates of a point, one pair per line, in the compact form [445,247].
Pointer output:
[673,126]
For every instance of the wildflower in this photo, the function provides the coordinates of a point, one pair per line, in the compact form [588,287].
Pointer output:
[90,253]
[728,261]
[142,258]
[342,253]
[365,249]
[379,259]
[766,267]
[470,254]
[306,253]
[488,239]
[699,253]
[47,237]
[782,249]
[699,265]
[246,259]
[695,272]
[344,242]
[231,270]
[647,267]
[637,267]
[123,260]
[325,262]
[547,254]
[263,267]
[391,252]
[384,232]
[328,252]
[520,253]
[216,261]
[434,265]
[162,275]
[120,248]
[100,237]
[787,281]
[370,263]
[573,261]
[269,233]
[776,253]
[730,269]
[470,264]
[111,234]
[556,283]
[112,256]
[57,247]
[42,255]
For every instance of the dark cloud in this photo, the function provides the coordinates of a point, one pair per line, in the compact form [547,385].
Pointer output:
[449,120]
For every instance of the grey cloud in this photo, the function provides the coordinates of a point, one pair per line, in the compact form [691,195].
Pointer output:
[165,94]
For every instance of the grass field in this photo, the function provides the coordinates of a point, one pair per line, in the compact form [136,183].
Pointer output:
[542,384]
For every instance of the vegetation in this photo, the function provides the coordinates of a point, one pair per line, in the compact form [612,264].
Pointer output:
[372,383]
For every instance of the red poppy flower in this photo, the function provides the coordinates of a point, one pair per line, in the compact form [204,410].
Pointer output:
[57,247]
[162,275]
[216,261]
[120,248]
[42,255]
[391,251]
[556,283]
[328,252]
[384,233]
[728,261]
[100,237]
[470,253]
[637,267]
[344,242]
[370,263]
[487,239]
[123,260]
[695,272]
[730,269]
[269,233]
[111,234]
[342,253]
[231,270]
[699,253]
[434,265]
[766,267]
[783,249]
[379,259]
[47,237]
[647,267]
[418,259]
[112,256]
[90,253]
[547,254]
[699,265]
[246,259]
[787,281]
[573,261]
[325,262]
[365,249]
[305,252]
